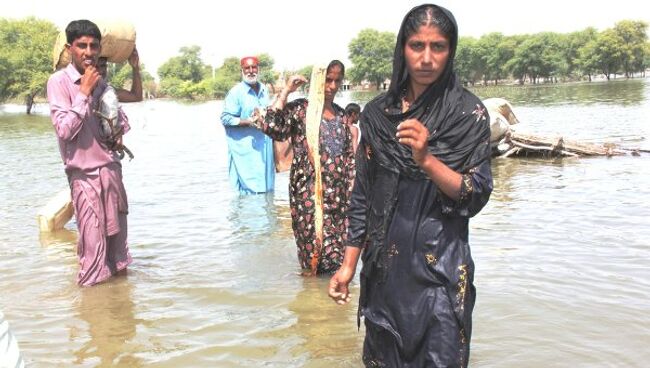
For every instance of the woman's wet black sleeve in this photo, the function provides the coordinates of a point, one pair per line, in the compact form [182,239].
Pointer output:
[359,200]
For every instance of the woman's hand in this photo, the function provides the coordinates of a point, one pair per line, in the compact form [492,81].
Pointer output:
[339,285]
[294,82]
[414,134]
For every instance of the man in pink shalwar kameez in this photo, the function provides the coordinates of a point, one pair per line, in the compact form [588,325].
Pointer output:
[94,171]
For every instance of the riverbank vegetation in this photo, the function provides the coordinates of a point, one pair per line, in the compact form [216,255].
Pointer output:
[492,59]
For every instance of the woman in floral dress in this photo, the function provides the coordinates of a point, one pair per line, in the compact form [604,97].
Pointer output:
[287,120]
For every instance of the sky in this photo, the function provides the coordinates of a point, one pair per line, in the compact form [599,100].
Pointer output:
[301,33]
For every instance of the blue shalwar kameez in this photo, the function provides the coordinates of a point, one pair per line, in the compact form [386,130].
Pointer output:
[250,152]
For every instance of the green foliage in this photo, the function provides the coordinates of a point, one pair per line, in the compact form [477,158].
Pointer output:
[120,75]
[267,74]
[494,53]
[25,60]
[572,45]
[220,85]
[25,57]
[551,56]
[230,69]
[538,56]
[186,67]
[183,76]
[633,35]
[606,52]
[226,76]
[646,57]
[371,54]
[467,60]
[178,88]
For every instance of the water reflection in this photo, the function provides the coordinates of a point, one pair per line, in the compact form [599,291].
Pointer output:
[252,216]
[618,92]
[59,237]
[108,309]
[328,331]
[623,92]
[509,174]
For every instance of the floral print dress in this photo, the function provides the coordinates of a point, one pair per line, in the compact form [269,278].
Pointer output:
[337,173]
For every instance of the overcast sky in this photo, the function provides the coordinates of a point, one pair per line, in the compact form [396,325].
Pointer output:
[300,33]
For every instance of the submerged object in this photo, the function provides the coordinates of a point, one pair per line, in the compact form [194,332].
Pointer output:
[56,213]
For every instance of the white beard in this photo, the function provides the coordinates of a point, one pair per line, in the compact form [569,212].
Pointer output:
[250,79]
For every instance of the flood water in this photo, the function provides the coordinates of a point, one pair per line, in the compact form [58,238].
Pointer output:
[562,250]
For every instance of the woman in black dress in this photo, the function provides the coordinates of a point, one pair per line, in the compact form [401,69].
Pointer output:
[423,170]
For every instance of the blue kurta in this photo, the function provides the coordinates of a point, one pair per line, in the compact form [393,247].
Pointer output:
[250,152]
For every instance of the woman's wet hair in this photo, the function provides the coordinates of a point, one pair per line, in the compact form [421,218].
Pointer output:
[428,16]
[334,63]
[80,28]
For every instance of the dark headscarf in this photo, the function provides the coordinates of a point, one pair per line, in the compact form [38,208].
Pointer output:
[457,136]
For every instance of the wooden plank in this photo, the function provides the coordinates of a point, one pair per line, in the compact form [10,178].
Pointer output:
[56,213]
[558,145]
[312,120]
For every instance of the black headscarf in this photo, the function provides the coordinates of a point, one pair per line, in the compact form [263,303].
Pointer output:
[457,136]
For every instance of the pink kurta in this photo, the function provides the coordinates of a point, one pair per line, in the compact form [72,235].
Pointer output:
[95,177]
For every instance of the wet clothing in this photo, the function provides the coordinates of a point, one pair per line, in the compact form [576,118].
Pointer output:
[95,177]
[101,207]
[337,175]
[417,284]
[78,129]
[417,292]
[250,152]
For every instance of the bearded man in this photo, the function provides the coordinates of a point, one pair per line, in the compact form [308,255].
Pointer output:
[250,152]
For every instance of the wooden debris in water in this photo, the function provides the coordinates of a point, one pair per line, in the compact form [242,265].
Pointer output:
[517,144]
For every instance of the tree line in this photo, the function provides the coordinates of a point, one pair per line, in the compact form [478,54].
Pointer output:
[26,61]
[552,57]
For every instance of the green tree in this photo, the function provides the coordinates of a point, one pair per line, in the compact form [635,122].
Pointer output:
[120,75]
[230,70]
[186,67]
[552,62]
[467,61]
[371,54]
[633,35]
[522,64]
[539,56]
[266,73]
[495,50]
[226,76]
[573,44]
[182,76]
[25,58]
[646,58]
[604,54]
